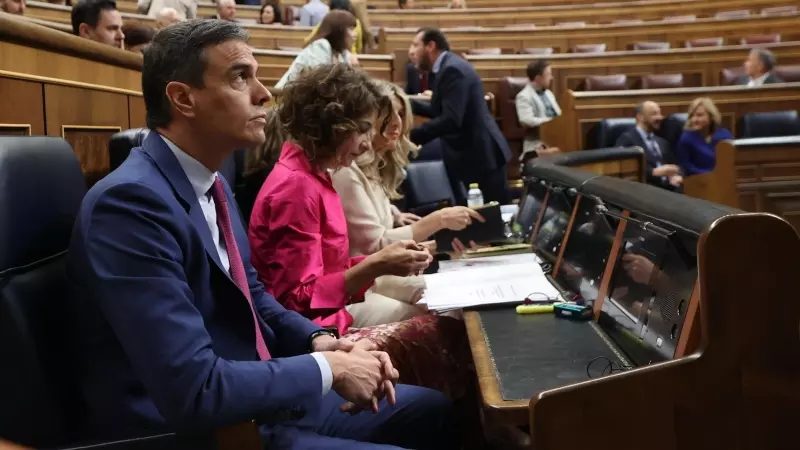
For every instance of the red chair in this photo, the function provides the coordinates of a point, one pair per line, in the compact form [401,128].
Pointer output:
[536,51]
[705,42]
[761,39]
[662,81]
[729,76]
[606,83]
[589,48]
[651,46]
[789,74]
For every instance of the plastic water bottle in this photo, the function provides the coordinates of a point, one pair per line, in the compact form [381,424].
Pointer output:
[474,196]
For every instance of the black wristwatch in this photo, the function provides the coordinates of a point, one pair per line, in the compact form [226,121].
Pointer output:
[333,332]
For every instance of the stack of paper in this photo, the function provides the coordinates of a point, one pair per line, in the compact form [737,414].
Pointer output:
[486,284]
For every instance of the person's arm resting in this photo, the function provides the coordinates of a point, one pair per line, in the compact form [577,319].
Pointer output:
[139,282]
[453,91]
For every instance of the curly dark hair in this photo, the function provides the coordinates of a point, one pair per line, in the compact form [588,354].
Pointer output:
[326,104]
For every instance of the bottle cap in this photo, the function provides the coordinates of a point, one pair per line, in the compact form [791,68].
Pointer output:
[473,185]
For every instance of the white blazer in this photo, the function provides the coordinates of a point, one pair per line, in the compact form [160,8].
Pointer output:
[531,112]
[315,54]
[370,227]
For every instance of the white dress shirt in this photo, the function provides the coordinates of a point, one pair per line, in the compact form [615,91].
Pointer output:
[754,82]
[201,180]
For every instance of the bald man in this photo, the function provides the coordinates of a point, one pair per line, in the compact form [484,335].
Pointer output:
[186,9]
[661,168]
[167,17]
[13,6]
[226,10]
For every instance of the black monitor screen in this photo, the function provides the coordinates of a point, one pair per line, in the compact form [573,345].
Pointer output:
[530,205]
[650,290]
[554,223]
[587,250]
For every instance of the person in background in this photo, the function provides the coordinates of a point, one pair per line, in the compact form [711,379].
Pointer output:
[696,149]
[137,37]
[330,44]
[405,4]
[474,150]
[167,17]
[99,21]
[186,9]
[344,5]
[13,6]
[457,4]
[417,81]
[661,169]
[536,105]
[312,13]
[270,14]
[758,69]
[259,162]
[226,10]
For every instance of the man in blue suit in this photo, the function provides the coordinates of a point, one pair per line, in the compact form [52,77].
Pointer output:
[475,151]
[175,332]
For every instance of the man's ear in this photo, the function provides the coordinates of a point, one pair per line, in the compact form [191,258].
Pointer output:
[84,30]
[181,97]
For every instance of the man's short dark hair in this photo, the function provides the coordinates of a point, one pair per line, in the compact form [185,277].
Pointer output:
[435,35]
[766,57]
[177,53]
[137,35]
[536,68]
[88,12]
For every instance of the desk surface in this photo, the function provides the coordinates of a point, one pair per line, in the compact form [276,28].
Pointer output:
[517,356]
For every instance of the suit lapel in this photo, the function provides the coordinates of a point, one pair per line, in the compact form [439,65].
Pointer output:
[173,172]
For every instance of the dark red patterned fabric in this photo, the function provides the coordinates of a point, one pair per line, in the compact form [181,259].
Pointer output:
[430,351]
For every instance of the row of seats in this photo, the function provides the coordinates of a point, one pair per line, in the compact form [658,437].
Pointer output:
[751,125]
[638,46]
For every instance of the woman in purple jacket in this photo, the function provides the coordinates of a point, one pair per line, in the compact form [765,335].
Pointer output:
[695,151]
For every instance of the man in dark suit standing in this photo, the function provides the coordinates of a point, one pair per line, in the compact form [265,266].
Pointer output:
[661,168]
[174,330]
[474,149]
[758,69]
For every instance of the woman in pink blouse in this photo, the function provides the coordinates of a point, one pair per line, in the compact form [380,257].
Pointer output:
[298,231]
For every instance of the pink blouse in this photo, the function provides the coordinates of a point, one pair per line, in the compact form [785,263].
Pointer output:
[298,239]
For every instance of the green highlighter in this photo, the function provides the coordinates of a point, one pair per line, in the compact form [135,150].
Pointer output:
[535,308]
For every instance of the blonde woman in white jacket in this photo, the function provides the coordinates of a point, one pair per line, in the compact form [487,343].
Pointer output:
[366,189]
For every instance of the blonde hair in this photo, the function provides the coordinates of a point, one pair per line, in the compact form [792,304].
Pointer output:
[711,109]
[266,155]
[387,169]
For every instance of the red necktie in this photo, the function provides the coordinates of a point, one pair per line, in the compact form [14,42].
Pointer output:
[237,267]
[423,81]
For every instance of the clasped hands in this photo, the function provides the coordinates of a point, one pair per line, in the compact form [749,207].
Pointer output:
[362,375]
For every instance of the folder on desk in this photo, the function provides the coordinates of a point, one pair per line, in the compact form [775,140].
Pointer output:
[493,229]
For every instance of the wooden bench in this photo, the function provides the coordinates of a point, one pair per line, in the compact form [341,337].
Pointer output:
[615,36]
[501,16]
[758,175]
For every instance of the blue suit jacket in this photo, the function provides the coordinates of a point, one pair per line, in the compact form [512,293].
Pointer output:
[472,140]
[165,338]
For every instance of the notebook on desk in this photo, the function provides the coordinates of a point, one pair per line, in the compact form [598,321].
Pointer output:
[492,229]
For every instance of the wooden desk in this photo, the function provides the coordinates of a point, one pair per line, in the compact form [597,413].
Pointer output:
[582,110]
[500,16]
[768,175]
[616,36]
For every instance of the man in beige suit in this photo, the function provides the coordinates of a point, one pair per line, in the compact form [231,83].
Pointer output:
[536,105]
